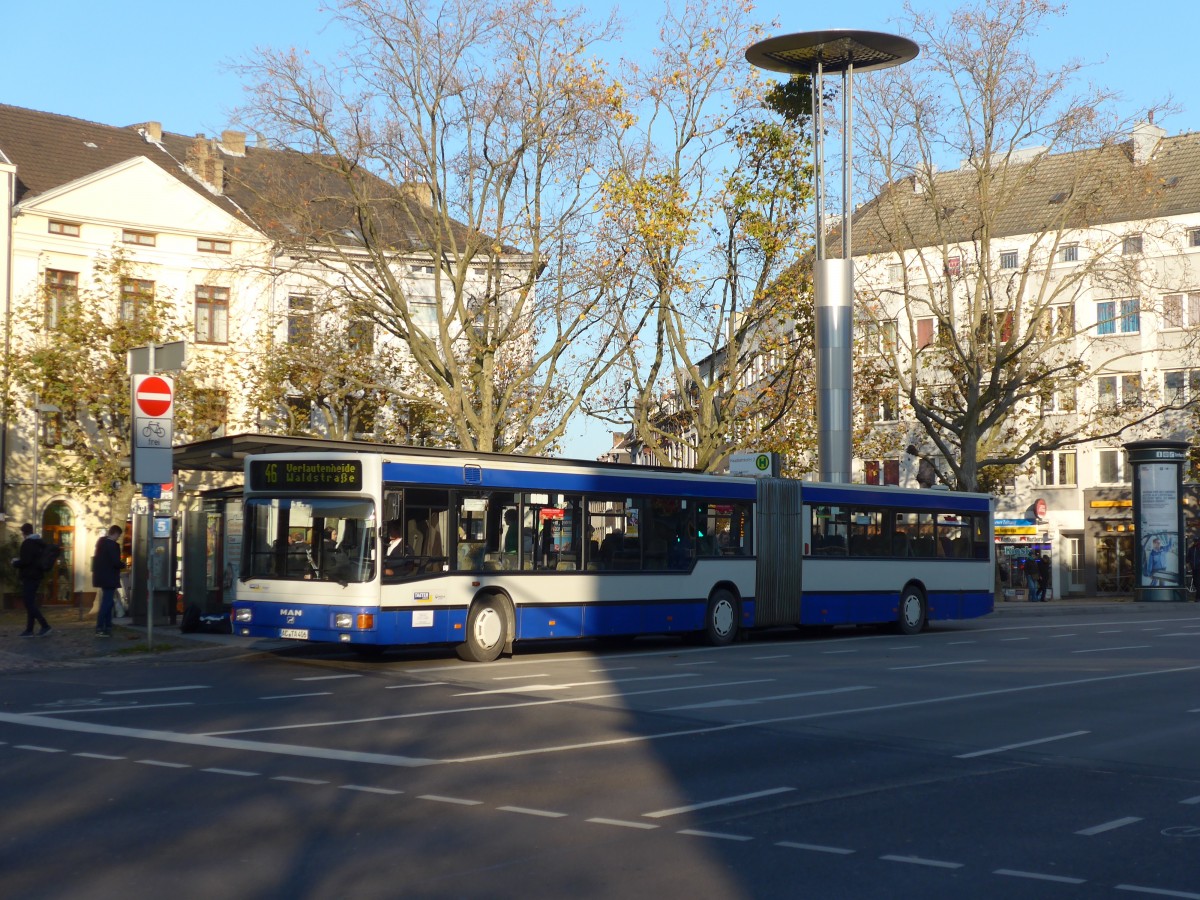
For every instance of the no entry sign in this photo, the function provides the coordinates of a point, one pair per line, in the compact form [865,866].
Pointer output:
[153,429]
[153,396]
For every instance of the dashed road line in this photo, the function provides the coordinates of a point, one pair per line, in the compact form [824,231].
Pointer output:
[105,756]
[1039,876]
[242,773]
[1021,745]
[158,690]
[36,747]
[520,677]
[958,662]
[922,861]
[162,764]
[1113,649]
[718,835]
[367,789]
[295,780]
[457,801]
[124,707]
[816,848]
[327,677]
[751,701]
[526,811]
[401,687]
[1108,826]
[1156,892]
[724,801]
[621,823]
[297,696]
[1191,801]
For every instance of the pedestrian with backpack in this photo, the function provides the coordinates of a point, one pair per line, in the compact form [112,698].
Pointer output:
[29,564]
[106,575]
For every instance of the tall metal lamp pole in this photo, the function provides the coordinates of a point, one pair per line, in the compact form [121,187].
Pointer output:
[815,53]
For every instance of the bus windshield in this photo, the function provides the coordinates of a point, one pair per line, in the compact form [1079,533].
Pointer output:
[315,539]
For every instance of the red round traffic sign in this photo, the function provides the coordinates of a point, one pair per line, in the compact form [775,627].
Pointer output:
[153,397]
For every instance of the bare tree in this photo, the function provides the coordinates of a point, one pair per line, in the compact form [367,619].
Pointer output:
[438,181]
[705,218]
[974,282]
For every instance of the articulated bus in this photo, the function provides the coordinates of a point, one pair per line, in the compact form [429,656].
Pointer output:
[402,547]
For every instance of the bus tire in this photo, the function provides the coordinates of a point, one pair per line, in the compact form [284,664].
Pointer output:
[368,651]
[487,631]
[721,618]
[911,618]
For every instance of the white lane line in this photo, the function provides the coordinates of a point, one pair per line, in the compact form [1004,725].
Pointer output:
[1111,631]
[401,687]
[326,677]
[1191,801]
[1007,640]
[296,696]
[294,780]
[1108,826]
[526,811]
[367,789]
[1156,892]
[1039,876]
[835,652]
[751,701]
[160,690]
[776,656]
[37,748]
[1112,649]
[162,764]
[1159,628]
[239,772]
[697,662]
[724,801]
[621,823]
[1054,636]
[960,643]
[816,848]
[960,662]
[1179,634]
[613,669]
[203,740]
[921,861]
[125,707]
[457,801]
[567,685]
[520,677]
[718,835]
[524,704]
[99,756]
[1045,740]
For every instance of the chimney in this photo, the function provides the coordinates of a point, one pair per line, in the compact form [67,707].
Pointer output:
[205,163]
[1144,141]
[151,132]
[417,191]
[234,142]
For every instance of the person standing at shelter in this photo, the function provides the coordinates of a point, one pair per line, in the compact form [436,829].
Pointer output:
[106,575]
[29,564]
[1043,573]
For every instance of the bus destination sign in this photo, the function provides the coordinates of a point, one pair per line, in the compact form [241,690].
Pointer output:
[306,475]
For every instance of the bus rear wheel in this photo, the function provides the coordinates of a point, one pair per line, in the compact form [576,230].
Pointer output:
[721,618]
[911,619]
[487,632]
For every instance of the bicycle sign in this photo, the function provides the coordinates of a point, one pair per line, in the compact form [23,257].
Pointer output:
[153,432]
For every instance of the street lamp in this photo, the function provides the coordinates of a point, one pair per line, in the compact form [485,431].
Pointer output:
[815,53]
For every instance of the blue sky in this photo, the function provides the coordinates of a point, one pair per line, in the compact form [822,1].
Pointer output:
[141,60]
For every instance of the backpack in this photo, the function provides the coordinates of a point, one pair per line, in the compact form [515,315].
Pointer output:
[49,555]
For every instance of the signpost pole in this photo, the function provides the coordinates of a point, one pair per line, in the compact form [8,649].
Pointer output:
[150,544]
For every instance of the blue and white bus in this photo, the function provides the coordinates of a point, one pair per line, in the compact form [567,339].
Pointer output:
[407,546]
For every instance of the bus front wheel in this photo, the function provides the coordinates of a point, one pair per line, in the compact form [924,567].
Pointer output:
[487,632]
[912,611]
[721,618]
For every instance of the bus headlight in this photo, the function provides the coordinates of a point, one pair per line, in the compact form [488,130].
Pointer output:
[343,620]
[243,614]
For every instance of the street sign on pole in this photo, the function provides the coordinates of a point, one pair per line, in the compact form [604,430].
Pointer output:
[153,428]
[157,358]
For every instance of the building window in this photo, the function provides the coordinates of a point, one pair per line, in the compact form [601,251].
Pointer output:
[1056,322]
[1056,469]
[896,272]
[884,406]
[925,332]
[1131,245]
[881,471]
[1058,397]
[66,229]
[62,288]
[299,319]
[141,238]
[361,335]
[1181,386]
[1008,259]
[1113,316]
[421,270]
[1114,467]
[1180,310]
[1193,237]
[1067,253]
[423,307]
[954,266]
[212,314]
[1113,391]
[210,245]
[881,336]
[135,293]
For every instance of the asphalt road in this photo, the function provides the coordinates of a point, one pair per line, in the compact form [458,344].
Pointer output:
[1048,755]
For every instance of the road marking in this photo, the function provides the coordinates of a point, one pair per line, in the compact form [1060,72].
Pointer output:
[816,848]
[163,764]
[1192,801]
[125,707]
[400,687]
[960,643]
[1046,740]
[921,861]
[1108,826]
[750,701]
[239,772]
[295,780]
[437,798]
[724,801]
[326,677]
[570,684]
[1039,876]
[1072,634]
[37,748]
[203,740]
[367,789]
[697,662]
[720,836]
[525,811]
[161,690]
[1111,649]
[296,696]
[1111,631]
[621,823]
[1007,640]
[776,656]
[835,652]
[519,677]
[1157,892]
[960,662]
[99,756]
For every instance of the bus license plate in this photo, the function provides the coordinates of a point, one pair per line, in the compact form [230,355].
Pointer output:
[298,634]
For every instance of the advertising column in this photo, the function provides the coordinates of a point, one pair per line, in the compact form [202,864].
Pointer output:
[1158,519]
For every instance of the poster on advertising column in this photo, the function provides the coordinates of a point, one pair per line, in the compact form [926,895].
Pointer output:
[1158,493]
